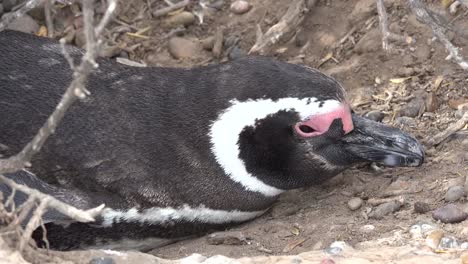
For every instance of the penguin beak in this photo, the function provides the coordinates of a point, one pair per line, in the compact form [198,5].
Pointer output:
[376,142]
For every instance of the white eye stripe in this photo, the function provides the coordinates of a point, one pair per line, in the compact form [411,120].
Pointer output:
[225,131]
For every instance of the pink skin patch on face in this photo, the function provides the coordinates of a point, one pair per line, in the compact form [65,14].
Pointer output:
[319,124]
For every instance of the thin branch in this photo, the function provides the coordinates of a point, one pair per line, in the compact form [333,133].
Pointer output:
[164,11]
[33,222]
[452,129]
[24,209]
[63,208]
[10,17]
[383,20]
[283,29]
[433,21]
[107,17]
[386,34]
[66,54]
[49,20]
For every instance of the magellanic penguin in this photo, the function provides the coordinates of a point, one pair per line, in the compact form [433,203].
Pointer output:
[177,152]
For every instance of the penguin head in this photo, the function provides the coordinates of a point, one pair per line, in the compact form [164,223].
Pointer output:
[304,134]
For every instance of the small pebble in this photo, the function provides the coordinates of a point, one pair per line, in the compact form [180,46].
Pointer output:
[240,7]
[375,115]
[449,214]
[433,238]
[355,203]
[336,248]
[419,230]
[421,207]
[448,243]
[24,23]
[181,48]
[207,43]
[413,108]
[454,193]
[464,245]
[385,209]
[181,19]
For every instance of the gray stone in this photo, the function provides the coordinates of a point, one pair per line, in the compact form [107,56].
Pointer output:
[413,108]
[454,193]
[25,24]
[355,203]
[449,214]
[181,19]
[375,115]
[240,7]
[385,209]
[181,48]
[448,243]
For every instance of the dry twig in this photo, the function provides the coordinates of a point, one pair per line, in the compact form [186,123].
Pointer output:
[452,129]
[48,17]
[386,34]
[283,29]
[438,27]
[164,11]
[70,211]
